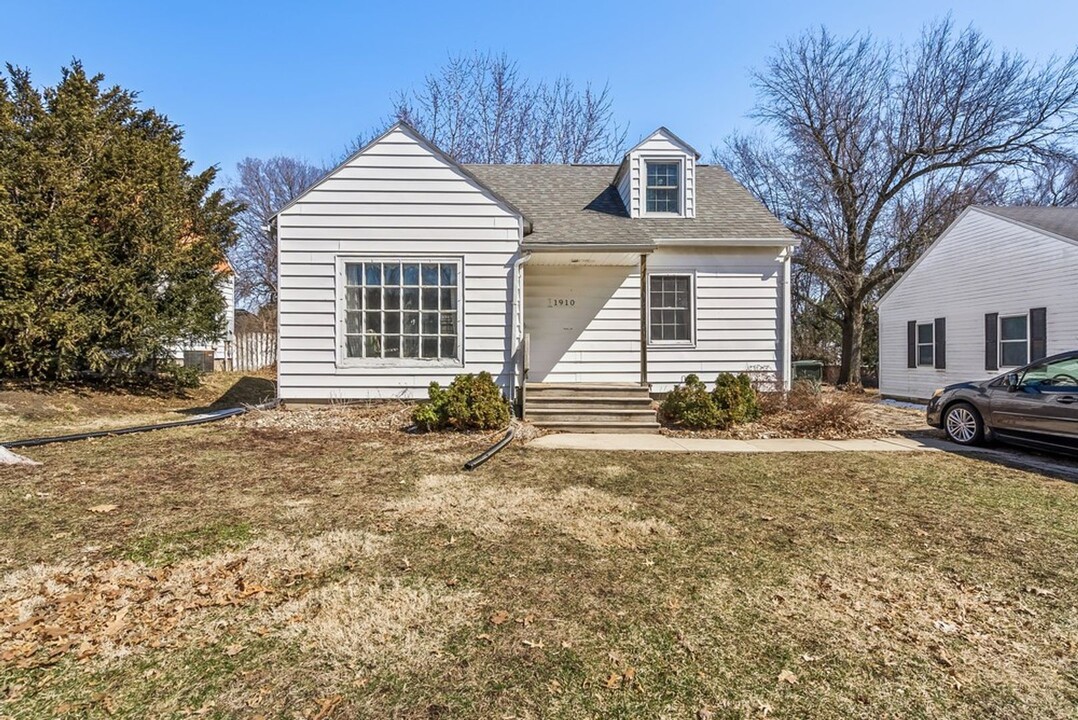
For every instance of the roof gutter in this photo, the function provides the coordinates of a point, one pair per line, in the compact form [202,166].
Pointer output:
[790,242]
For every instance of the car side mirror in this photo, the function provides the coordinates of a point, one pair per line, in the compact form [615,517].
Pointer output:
[1012,381]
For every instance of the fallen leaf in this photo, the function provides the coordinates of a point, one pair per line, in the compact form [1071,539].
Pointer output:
[325,706]
[787,677]
[809,658]
[484,636]
[767,518]
[233,650]
[1043,592]
[705,714]
[103,508]
[533,644]
[499,618]
[554,687]
[947,628]
[613,680]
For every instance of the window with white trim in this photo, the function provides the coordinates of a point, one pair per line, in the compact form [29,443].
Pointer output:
[926,345]
[670,308]
[1013,340]
[663,188]
[404,309]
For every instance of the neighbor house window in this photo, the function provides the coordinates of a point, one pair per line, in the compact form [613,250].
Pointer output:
[670,308]
[925,345]
[1013,341]
[402,309]
[664,187]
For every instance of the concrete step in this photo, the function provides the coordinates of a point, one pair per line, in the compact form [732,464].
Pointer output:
[568,390]
[589,414]
[599,427]
[588,401]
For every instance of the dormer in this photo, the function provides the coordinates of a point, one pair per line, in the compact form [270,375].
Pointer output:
[657,178]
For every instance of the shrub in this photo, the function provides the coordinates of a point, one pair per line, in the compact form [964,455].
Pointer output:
[735,398]
[471,402]
[691,406]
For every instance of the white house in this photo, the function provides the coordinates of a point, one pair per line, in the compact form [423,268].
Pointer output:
[401,267]
[219,354]
[996,290]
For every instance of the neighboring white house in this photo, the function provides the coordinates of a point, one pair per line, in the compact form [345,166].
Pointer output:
[996,290]
[222,350]
[401,267]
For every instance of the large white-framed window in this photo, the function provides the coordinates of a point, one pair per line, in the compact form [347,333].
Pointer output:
[663,187]
[926,344]
[671,308]
[399,311]
[1013,340]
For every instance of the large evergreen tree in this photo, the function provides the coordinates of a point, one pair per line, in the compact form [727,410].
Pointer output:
[111,248]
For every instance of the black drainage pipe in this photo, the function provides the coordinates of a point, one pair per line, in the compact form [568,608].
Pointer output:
[490,451]
[200,420]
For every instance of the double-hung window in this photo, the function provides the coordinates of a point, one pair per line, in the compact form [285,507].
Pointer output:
[663,190]
[1013,340]
[926,345]
[401,310]
[670,309]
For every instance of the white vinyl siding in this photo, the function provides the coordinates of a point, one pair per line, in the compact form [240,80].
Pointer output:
[981,265]
[395,201]
[738,310]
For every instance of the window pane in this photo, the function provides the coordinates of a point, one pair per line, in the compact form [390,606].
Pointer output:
[374,322]
[1013,354]
[354,346]
[449,323]
[411,322]
[449,274]
[449,347]
[410,349]
[430,347]
[392,323]
[430,323]
[392,274]
[924,355]
[353,322]
[353,274]
[372,273]
[1012,328]
[411,298]
[393,346]
[392,298]
[373,297]
[410,272]
[924,333]
[430,274]
[373,345]
[430,298]
[449,298]
[353,298]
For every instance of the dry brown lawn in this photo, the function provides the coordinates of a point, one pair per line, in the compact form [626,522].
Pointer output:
[261,568]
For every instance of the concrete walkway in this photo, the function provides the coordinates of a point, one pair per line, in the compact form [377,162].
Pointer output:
[666,443]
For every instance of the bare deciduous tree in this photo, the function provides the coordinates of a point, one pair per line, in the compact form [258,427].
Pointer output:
[264,187]
[873,150]
[479,109]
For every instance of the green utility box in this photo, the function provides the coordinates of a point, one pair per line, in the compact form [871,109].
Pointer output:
[811,370]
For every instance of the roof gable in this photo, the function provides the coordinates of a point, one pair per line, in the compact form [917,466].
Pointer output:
[419,138]
[1030,217]
[662,133]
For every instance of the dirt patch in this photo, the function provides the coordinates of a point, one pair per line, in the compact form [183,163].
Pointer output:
[591,516]
[377,622]
[111,609]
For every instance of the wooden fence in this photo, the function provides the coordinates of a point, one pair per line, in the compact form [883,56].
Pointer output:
[254,351]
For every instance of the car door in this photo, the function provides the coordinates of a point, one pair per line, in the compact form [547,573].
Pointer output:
[1045,402]
[1017,410]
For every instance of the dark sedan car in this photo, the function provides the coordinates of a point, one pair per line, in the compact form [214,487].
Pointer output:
[1036,405]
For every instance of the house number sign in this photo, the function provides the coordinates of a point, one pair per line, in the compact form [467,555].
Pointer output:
[552,302]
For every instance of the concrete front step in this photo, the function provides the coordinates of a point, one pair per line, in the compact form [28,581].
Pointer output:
[589,414]
[574,390]
[599,427]
[588,401]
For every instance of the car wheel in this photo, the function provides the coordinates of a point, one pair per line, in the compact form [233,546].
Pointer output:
[963,424]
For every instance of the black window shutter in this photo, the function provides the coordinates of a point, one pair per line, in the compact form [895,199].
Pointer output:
[1038,334]
[911,344]
[940,336]
[991,341]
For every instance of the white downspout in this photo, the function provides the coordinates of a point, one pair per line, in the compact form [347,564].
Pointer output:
[517,330]
[787,334]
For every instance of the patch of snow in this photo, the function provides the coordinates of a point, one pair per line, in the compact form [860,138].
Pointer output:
[904,404]
[9,458]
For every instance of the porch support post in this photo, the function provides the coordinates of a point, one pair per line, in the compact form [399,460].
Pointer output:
[643,319]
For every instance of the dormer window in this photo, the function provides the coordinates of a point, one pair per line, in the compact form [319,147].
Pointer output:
[663,187]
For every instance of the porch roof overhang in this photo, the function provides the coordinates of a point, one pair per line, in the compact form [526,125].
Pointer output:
[789,241]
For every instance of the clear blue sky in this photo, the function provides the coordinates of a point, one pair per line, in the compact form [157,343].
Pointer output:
[304,78]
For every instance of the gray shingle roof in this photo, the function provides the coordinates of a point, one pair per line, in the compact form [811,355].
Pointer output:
[1062,221]
[576,204]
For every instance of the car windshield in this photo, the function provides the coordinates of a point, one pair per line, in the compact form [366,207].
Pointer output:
[1058,373]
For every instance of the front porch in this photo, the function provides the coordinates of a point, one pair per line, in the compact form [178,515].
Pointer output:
[590,407]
